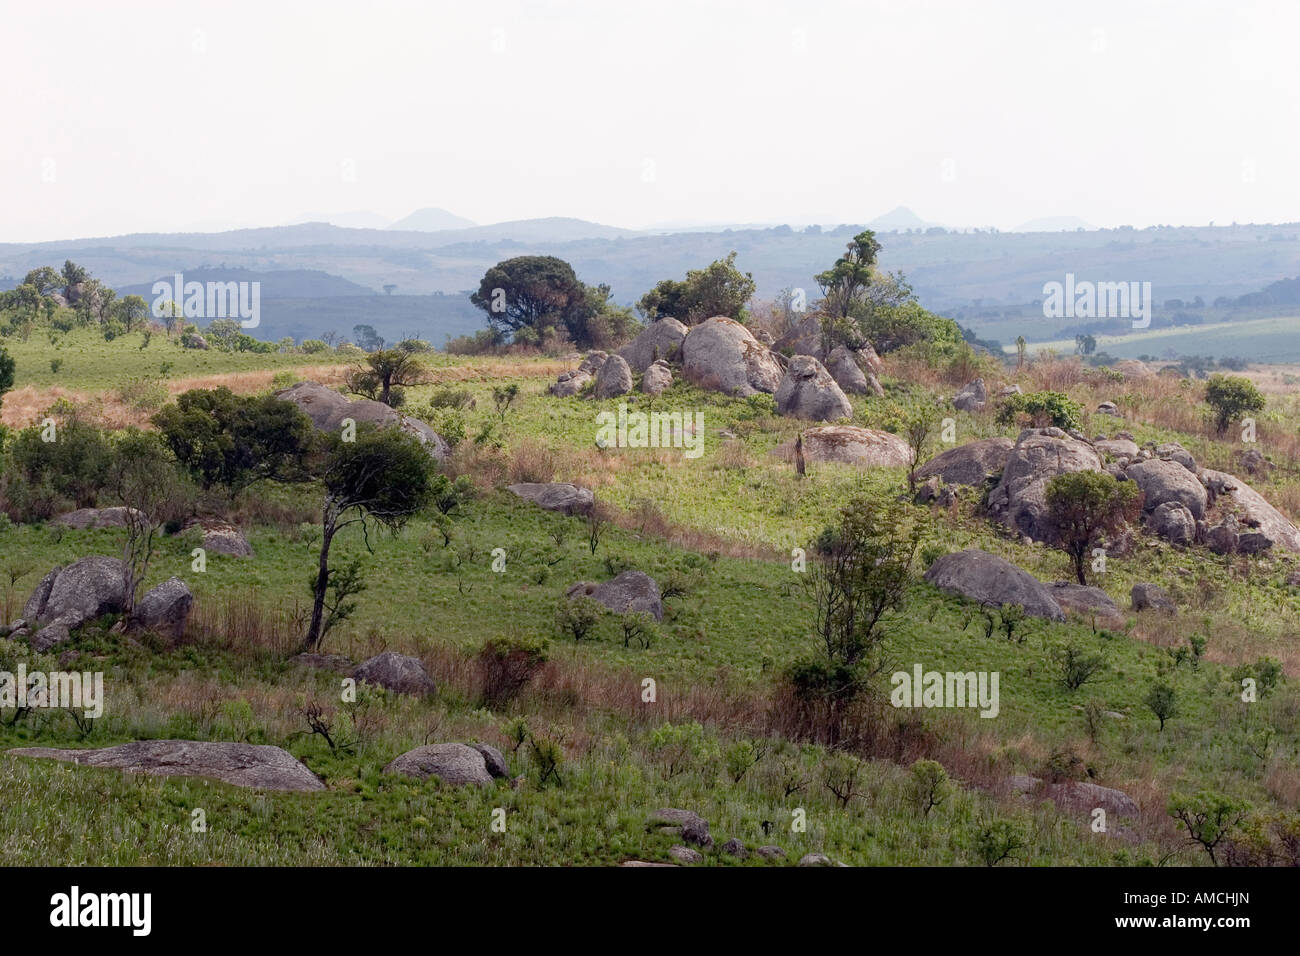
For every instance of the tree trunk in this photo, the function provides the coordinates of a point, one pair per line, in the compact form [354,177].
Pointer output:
[322,587]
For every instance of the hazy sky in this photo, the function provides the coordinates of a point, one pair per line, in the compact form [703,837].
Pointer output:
[133,116]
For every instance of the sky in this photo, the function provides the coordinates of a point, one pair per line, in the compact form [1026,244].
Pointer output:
[140,116]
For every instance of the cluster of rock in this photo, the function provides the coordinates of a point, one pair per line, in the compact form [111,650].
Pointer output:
[73,595]
[693,829]
[218,537]
[995,582]
[722,355]
[327,410]
[1182,502]
[1186,504]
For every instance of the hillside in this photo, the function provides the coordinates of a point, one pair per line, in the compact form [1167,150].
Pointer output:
[990,281]
[589,757]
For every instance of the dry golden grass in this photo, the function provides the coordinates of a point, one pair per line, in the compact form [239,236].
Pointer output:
[24,406]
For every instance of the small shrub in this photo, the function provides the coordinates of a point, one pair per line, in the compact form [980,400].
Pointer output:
[507,664]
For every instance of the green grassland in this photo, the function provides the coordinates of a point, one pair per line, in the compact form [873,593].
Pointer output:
[745,615]
[1270,340]
[86,361]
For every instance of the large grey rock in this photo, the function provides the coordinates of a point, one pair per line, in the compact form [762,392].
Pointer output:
[1173,451]
[1173,522]
[658,378]
[1252,510]
[808,391]
[988,579]
[630,592]
[971,397]
[661,340]
[327,409]
[1147,595]
[843,367]
[1117,448]
[222,538]
[613,379]
[571,383]
[852,445]
[720,354]
[455,764]
[734,847]
[1222,538]
[68,597]
[1082,798]
[973,463]
[396,672]
[164,609]
[1040,454]
[494,760]
[556,496]
[685,854]
[1091,604]
[243,765]
[1163,480]
[92,518]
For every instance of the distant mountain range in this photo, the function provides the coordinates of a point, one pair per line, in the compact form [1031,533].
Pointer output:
[989,279]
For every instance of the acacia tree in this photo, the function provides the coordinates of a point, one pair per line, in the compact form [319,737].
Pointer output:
[382,478]
[1084,507]
[529,292]
[845,283]
[1208,818]
[385,374]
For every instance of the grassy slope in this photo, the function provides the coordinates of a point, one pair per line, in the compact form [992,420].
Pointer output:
[742,621]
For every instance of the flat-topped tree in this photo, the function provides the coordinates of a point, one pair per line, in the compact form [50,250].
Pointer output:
[385,374]
[382,476]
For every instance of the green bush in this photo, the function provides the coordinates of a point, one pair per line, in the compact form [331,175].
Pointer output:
[1230,396]
[1042,409]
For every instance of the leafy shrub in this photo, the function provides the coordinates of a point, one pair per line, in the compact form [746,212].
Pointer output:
[313,346]
[447,397]
[1230,396]
[143,393]
[998,840]
[681,748]
[579,618]
[928,785]
[1041,409]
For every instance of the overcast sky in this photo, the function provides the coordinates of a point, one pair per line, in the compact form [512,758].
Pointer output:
[137,116]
